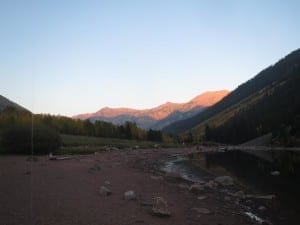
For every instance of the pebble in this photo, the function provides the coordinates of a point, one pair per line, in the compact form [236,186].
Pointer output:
[130,195]
[105,191]
[202,197]
[262,208]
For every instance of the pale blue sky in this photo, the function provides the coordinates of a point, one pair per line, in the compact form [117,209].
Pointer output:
[70,57]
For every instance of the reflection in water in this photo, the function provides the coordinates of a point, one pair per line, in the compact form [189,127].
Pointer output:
[279,176]
[278,173]
[184,168]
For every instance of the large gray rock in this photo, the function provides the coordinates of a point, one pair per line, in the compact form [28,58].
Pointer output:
[129,195]
[224,180]
[105,191]
[160,207]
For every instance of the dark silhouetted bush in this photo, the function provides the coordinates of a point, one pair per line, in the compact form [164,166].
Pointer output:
[21,139]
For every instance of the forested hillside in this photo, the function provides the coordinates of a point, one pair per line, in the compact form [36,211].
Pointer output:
[4,102]
[276,109]
[267,103]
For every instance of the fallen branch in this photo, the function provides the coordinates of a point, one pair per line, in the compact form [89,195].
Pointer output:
[52,157]
[266,197]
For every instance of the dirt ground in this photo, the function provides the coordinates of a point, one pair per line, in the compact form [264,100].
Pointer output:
[60,192]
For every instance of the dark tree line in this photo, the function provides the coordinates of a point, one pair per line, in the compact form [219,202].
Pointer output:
[16,127]
[19,135]
[128,130]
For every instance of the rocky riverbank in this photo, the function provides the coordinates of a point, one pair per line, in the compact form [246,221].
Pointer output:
[120,187]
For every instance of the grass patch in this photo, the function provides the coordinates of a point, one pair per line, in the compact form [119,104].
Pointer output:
[73,144]
[73,140]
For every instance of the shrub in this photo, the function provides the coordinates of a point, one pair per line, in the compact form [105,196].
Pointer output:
[18,138]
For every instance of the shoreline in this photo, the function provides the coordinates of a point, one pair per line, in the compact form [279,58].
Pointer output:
[67,192]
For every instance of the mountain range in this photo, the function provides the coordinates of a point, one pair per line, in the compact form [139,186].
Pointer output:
[267,103]
[158,117]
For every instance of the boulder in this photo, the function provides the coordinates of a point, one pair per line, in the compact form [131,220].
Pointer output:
[255,218]
[129,195]
[211,184]
[275,173]
[160,207]
[196,188]
[114,149]
[105,191]
[239,194]
[224,180]
[262,208]
[202,197]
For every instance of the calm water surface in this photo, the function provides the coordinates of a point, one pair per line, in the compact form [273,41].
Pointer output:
[263,173]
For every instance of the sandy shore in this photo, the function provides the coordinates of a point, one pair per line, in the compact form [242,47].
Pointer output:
[49,192]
